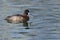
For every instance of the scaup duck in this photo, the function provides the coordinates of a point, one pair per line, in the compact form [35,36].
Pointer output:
[18,18]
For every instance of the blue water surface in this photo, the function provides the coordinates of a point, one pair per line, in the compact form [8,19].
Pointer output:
[44,23]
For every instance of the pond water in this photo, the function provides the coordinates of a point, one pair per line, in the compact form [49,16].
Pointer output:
[44,23]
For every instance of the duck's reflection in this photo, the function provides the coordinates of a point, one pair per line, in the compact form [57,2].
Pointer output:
[26,25]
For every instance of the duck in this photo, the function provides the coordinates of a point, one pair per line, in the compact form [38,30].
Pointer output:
[18,18]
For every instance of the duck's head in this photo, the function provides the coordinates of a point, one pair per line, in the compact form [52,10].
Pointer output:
[26,12]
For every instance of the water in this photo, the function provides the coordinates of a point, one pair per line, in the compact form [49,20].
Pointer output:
[44,23]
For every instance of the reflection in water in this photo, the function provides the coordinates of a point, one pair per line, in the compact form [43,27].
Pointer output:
[25,24]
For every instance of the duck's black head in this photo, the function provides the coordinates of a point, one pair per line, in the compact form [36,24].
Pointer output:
[26,12]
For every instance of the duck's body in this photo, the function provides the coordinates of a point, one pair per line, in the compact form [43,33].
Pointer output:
[18,18]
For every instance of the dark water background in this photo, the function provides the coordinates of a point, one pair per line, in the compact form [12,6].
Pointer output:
[44,23]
